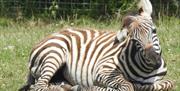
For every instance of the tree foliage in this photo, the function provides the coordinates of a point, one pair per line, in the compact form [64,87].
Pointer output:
[58,8]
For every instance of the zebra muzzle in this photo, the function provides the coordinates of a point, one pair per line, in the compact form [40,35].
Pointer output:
[153,57]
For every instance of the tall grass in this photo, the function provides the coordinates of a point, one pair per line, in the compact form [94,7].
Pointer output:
[17,39]
[169,34]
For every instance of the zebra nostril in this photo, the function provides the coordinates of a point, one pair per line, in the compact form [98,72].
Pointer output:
[158,64]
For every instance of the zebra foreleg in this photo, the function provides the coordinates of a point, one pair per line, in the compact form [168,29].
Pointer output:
[109,83]
[93,88]
[162,85]
[98,88]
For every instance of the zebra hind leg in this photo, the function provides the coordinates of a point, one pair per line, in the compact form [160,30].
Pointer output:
[47,71]
[56,84]
[99,88]
[59,81]
[54,87]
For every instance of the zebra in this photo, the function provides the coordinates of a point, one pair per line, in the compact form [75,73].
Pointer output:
[90,60]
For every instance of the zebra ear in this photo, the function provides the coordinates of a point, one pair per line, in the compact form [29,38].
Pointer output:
[145,8]
[122,35]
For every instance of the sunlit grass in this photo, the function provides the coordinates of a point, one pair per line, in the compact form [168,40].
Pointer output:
[17,39]
[169,34]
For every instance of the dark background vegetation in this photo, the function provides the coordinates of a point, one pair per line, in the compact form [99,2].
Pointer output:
[69,8]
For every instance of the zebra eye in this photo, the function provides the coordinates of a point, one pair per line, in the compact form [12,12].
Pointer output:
[154,31]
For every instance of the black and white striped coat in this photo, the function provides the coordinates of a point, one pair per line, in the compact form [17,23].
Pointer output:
[91,59]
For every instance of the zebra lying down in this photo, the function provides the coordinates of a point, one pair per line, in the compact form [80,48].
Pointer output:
[89,60]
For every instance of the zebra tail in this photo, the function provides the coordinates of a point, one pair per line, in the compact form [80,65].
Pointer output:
[30,81]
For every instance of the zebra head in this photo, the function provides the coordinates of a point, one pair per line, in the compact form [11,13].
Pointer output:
[141,31]
[142,52]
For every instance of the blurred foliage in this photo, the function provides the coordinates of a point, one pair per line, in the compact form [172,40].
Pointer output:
[166,7]
[94,8]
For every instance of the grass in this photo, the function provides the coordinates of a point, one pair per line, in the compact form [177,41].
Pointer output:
[17,39]
[169,34]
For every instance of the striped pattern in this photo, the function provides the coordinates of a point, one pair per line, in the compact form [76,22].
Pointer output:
[162,85]
[75,48]
[93,61]
[85,54]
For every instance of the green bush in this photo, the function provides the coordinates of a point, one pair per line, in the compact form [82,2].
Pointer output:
[59,8]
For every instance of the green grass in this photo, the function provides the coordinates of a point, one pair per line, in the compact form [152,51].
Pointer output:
[169,34]
[17,39]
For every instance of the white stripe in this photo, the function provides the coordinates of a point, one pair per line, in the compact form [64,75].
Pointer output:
[82,55]
[79,34]
[74,56]
[103,37]
[84,71]
[78,62]
[85,66]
